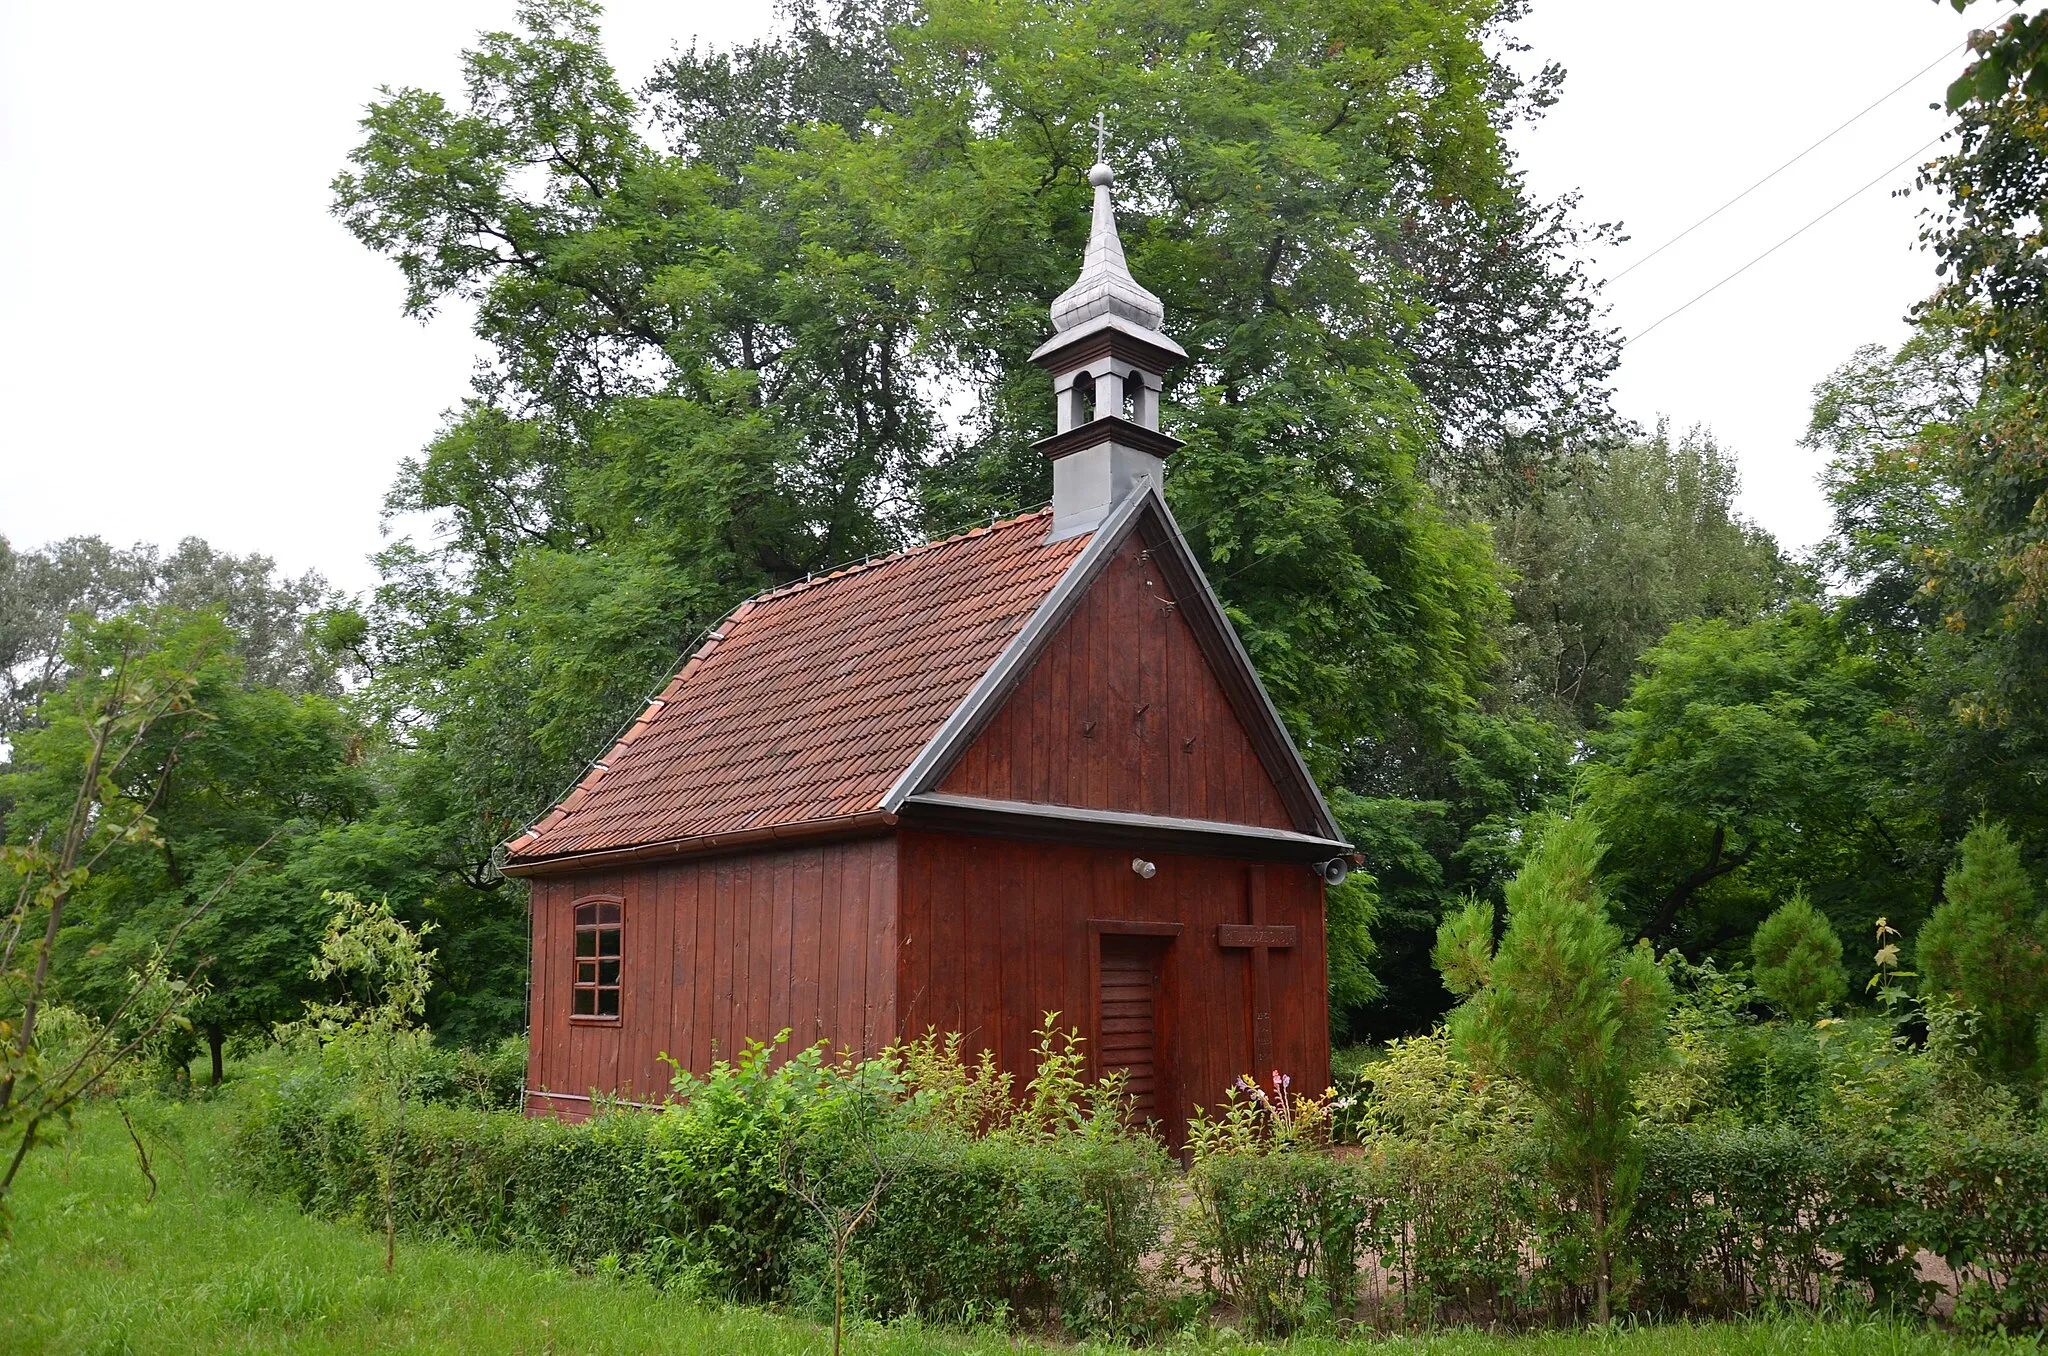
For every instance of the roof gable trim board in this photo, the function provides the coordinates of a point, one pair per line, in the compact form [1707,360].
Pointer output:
[1219,639]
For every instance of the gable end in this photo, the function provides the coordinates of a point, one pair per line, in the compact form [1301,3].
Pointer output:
[1146,515]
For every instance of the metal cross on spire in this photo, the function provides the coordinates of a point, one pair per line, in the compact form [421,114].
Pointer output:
[1101,137]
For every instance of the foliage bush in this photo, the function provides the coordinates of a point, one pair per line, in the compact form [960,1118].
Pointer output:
[1039,1215]
[1278,1224]
[1873,1143]
[1778,1165]
[1729,1218]
[489,1079]
[1981,1204]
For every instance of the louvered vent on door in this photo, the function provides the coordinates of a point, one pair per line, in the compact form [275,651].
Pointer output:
[1129,1018]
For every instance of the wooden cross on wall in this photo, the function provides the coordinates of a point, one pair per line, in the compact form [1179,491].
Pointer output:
[1258,937]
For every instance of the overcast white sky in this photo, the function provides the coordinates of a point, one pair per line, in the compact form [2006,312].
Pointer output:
[189,344]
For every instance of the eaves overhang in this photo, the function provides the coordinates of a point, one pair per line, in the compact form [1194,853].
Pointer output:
[1114,828]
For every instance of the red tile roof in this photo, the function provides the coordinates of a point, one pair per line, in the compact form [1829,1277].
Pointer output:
[810,700]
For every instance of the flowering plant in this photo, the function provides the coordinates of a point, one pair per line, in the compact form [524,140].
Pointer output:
[1263,1118]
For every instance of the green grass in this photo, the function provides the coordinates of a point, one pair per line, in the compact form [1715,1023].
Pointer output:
[92,1267]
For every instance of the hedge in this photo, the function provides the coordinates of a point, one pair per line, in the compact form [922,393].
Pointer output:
[1046,1230]
[1055,1229]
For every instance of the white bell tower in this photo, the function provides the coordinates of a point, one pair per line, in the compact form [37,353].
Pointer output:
[1108,358]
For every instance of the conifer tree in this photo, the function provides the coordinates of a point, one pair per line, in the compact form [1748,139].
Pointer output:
[1799,960]
[1987,945]
[1565,1008]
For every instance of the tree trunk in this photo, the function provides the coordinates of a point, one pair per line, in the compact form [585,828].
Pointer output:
[215,1038]
[1601,1257]
[838,1292]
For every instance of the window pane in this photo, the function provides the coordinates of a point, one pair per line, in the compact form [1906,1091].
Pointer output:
[607,913]
[608,972]
[586,944]
[608,942]
[586,1003]
[586,972]
[607,1002]
[586,914]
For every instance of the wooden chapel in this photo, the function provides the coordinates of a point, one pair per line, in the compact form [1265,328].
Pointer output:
[1021,770]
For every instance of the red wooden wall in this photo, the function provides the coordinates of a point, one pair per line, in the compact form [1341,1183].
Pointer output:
[995,933]
[717,951]
[1121,711]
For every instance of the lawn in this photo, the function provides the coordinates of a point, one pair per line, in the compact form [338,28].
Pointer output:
[94,1267]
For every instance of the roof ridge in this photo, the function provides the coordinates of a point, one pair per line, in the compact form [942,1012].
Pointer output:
[814,581]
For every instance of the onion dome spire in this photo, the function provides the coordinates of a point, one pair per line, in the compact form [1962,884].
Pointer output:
[1106,286]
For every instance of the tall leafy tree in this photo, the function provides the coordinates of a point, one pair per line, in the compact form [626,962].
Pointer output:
[106,748]
[1984,227]
[1436,828]
[1607,547]
[41,589]
[1897,429]
[1749,761]
[1612,546]
[228,790]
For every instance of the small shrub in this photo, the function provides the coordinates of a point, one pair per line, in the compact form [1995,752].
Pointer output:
[1799,960]
[490,1080]
[1986,945]
[1982,1205]
[1564,1006]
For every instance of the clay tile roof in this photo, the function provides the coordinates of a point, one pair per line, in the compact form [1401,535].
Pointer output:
[810,700]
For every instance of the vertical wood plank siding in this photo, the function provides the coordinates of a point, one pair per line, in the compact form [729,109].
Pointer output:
[718,951]
[1122,711]
[996,933]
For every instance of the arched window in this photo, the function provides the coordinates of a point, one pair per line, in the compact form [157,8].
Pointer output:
[1134,394]
[597,959]
[1084,398]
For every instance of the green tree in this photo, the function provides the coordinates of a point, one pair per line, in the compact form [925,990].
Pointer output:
[1608,550]
[1987,946]
[41,589]
[235,789]
[106,746]
[1749,761]
[1437,827]
[1799,960]
[1991,574]
[1607,547]
[1569,1011]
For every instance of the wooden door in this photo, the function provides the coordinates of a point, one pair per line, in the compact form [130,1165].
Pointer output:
[1128,1020]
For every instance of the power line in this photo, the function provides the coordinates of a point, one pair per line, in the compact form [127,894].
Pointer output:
[1788,239]
[1946,54]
